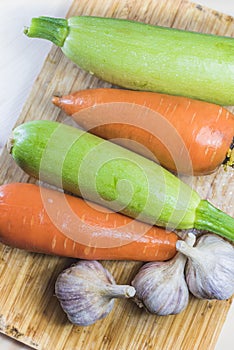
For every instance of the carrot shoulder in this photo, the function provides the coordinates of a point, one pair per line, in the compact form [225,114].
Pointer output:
[47,221]
[184,135]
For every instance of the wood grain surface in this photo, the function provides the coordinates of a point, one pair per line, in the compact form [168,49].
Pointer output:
[29,311]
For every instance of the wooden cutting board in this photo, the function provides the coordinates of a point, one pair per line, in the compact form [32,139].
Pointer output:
[29,311]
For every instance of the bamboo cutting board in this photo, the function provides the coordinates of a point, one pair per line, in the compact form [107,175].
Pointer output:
[29,310]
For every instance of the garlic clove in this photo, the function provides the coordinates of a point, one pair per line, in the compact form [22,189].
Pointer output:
[161,287]
[86,292]
[159,291]
[210,267]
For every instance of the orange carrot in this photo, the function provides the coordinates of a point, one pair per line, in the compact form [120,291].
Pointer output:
[43,220]
[184,135]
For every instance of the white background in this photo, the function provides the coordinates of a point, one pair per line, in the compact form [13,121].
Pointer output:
[21,60]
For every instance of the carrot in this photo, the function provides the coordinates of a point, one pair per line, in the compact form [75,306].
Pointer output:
[184,135]
[48,221]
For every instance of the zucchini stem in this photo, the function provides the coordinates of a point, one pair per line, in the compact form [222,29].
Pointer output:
[49,28]
[210,218]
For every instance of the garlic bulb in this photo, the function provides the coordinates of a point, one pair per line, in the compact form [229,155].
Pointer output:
[86,292]
[210,267]
[161,287]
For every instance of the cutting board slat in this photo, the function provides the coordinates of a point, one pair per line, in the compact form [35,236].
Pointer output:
[29,310]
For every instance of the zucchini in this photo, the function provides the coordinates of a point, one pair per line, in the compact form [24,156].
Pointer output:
[139,56]
[112,176]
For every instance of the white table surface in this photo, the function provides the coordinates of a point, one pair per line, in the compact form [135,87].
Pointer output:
[21,61]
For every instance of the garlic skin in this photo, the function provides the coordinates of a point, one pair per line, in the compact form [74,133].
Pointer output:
[210,267]
[161,287]
[86,292]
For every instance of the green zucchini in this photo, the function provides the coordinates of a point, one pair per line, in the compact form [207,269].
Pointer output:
[139,56]
[112,176]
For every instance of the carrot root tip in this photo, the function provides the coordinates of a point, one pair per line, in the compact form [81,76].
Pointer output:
[56,100]
[10,143]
